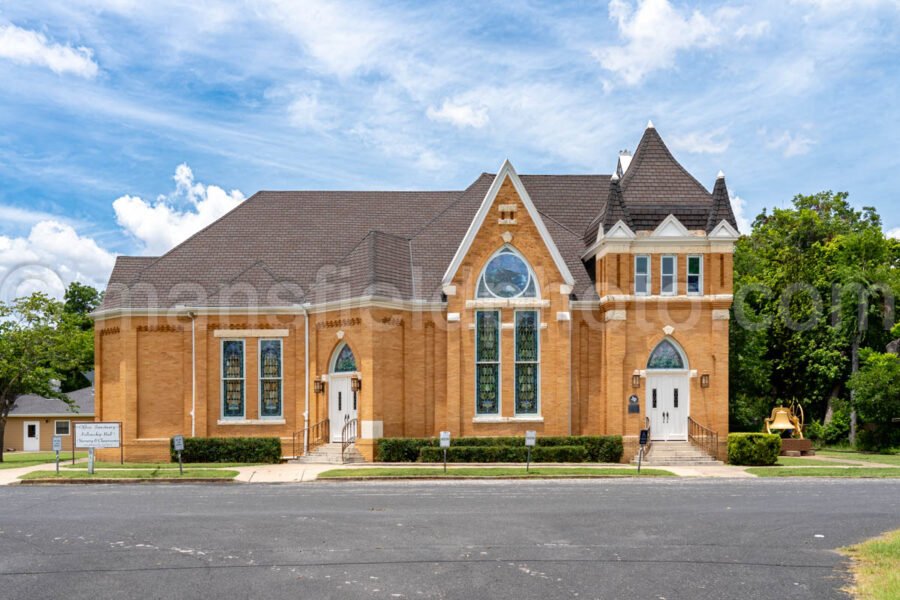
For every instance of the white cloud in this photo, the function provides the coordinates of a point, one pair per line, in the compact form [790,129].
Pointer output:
[738,205]
[790,144]
[654,33]
[703,142]
[893,233]
[27,47]
[51,257]
[162,224]
[753,30]
[459,114]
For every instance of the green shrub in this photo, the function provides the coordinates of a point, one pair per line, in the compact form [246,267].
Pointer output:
[598,448]
[230,449]
[507,454]
[756,449]
[815,431]
[838,429]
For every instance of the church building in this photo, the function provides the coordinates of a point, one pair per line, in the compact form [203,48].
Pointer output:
[564,304]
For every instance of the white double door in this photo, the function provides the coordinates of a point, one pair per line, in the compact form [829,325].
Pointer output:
[342,404]
[668,405]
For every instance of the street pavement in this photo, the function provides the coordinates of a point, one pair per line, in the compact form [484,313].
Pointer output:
[616,539]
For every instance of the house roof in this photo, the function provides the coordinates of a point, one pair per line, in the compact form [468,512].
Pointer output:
[32,405]
[280,248]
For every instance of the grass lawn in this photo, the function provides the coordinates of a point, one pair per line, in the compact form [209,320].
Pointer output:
[876,565]
[886,459]
[794,461]
[115,465]
[432,472]
[824,472]
[137,474]
[14,460]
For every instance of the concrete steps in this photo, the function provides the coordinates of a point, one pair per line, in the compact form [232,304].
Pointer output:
[676,454]
[330,454]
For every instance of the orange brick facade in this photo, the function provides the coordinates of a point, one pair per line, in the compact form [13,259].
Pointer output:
[160,374]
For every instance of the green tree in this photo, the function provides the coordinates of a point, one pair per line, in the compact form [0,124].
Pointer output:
[876,388]
[812,283]
[80,301]
[39,342]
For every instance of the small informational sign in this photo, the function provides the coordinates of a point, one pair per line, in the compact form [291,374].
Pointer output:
[178,441]
[530,438]
[644,434]
[57,444]
[634,405]
[98,435]
[445,439]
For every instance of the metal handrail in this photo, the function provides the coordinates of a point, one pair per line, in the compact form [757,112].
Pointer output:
[348,436]
[649,435]
[316,435]
[703,437]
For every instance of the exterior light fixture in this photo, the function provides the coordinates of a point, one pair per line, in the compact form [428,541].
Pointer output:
[704,380]
[636,380]
[319,385]
[355,384]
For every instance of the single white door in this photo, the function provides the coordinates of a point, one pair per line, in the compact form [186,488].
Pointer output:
[342,404]
[668,404]
[32,436]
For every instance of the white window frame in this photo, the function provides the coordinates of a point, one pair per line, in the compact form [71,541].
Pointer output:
[699,275]
[662,274]
[498,362]
[647,274]
[280,378]
[68,427]
[516,361]
[222,378]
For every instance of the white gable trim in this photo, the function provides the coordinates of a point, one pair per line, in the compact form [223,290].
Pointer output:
[506,170]
[724,231]
[671,227]
[620,231]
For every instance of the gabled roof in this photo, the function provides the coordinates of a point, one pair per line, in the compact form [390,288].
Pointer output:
[507,172]
[32,405]
[279,249]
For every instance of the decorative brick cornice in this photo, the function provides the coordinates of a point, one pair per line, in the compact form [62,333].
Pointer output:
[160,328]
[331,324]
[109,331]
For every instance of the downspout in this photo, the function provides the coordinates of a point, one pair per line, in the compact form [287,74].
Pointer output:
[193,315]
[306,376]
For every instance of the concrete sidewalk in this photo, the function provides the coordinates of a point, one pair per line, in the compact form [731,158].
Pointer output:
[283,473]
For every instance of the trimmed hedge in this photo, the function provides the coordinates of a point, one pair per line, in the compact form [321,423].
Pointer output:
[756,449]
[231,449]
[598,448]
[507,454]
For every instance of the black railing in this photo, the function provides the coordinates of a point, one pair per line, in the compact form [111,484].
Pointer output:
[703,437]
[649,436]
[348,436]
[315,436]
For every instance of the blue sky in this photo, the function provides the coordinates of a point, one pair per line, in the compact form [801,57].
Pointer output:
[126,125]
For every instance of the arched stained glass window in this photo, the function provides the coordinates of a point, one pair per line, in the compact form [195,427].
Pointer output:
[665,356]
[507,275]
[345,362]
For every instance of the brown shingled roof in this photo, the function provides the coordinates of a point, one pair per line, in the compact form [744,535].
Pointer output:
[284,248]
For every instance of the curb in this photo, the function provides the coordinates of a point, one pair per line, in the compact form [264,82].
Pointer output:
[131,481]
[489,477]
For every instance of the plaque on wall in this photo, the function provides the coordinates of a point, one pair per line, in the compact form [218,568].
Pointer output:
[633,404]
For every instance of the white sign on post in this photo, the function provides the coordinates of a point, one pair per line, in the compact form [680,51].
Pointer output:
[178,441]
[97,435]
[57,443]
[530,438]
[445,439]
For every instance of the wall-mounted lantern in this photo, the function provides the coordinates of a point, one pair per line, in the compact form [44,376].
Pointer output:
[704,380]
[636,380]
[319,385]
[355,384]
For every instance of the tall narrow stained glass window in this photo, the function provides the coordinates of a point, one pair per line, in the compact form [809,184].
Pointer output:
[345,362]
[270,378]
[233,378]
[487,362]
[527,362]
[665,356]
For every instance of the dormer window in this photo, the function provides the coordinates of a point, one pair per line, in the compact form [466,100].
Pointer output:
[507,275]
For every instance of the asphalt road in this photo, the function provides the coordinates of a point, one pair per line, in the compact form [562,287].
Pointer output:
[575,539]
